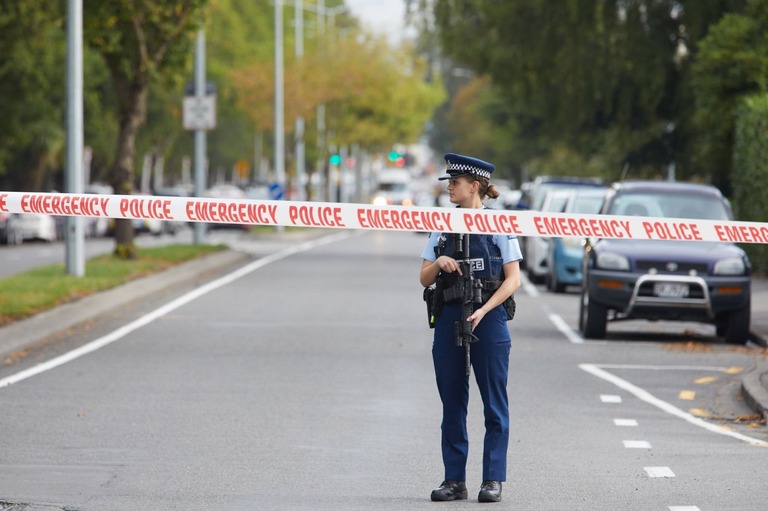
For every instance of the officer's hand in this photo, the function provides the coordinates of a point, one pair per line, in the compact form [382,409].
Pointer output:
[476,317]
[448,264]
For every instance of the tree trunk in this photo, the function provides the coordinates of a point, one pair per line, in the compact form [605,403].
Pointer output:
[133,106]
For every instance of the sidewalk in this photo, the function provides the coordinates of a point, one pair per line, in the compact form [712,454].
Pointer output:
[755,383]
[17,336]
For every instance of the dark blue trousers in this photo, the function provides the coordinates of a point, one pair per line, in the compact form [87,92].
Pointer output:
[490,364]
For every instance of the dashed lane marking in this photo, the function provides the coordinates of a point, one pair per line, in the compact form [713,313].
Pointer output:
[644,395]
[705,380]
[684,508]
[637,444]
[606,398]
[659,471]
[625,422]
[687,395]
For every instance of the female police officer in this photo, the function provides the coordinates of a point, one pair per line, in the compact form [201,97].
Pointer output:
[495,262]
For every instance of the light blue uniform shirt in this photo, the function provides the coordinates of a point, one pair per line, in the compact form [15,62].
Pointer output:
[508,246]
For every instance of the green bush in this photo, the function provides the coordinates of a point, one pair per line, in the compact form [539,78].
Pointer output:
[750,171]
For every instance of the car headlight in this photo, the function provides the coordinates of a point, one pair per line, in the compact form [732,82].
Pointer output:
[611,261]
[730,266]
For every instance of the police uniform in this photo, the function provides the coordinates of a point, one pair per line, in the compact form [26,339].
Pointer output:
[489,356]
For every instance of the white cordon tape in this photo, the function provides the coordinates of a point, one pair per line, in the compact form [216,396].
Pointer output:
[388,218]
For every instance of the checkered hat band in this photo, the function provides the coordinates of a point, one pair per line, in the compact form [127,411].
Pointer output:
[464,168]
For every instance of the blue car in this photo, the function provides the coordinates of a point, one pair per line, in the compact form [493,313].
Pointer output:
[708,282]
[564,255]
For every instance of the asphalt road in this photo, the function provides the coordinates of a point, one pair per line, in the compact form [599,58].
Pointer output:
[31,254]
[306,383]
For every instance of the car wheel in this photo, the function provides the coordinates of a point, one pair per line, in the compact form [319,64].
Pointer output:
[593,317]
[548,282]
[737,329]
[554,284]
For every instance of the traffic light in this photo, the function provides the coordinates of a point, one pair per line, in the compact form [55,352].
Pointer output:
[397,159]
[335,159]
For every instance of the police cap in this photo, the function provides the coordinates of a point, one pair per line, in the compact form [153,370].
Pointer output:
[459,165]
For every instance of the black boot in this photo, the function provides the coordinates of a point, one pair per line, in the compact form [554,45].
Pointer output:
[450,490]
[490,491]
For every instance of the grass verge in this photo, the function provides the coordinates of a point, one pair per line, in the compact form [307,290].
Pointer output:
[42,288]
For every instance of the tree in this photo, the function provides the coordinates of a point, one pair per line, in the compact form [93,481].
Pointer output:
[139,40]
[732,64]
[376,96]
[605,78]
[32,100]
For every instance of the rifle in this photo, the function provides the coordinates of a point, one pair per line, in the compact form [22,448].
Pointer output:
[471,293]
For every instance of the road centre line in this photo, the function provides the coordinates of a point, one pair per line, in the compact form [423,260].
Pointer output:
[170,307]
[644,395]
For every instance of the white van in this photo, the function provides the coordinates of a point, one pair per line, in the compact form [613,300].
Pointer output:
[393,186]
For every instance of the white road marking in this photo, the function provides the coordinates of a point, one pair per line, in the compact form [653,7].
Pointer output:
[625,422]
[567,331]
[659,472]
[684,508]
[606,398]
[647,397]
[664,368]
[169,307]
[637,444]
[527,286]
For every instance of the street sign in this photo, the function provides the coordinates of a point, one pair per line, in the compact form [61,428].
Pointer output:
[199,113]
[276,191]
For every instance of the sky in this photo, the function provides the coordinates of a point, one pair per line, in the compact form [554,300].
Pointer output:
[381,16]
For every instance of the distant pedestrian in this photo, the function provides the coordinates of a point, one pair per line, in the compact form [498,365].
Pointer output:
[496,260]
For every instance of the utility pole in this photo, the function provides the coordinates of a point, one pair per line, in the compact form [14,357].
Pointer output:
[75,235]
[279,101]
[200,136]
[300,157]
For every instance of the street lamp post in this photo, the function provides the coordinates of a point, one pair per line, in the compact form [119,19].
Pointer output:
[300,158]
[279,101]
[75,235]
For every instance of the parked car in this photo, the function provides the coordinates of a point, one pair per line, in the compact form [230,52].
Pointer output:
[564,255]
[536,248]
[10,231]
[37,227]
[535,192]
[666,280]
[97,227]
[171,226]
[225,191]
[393,186]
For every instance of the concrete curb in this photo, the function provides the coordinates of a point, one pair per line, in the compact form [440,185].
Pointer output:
[754,390]
[21,334]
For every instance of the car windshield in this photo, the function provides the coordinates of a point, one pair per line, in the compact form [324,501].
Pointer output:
[667,205]
[586,205]
[393,187]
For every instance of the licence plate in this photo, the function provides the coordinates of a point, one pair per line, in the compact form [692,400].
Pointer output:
[670,290]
